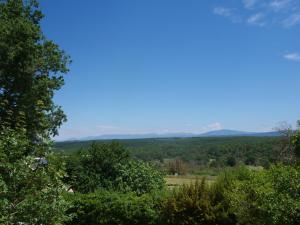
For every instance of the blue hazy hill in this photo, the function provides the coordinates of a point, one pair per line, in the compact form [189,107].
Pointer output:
[216,133]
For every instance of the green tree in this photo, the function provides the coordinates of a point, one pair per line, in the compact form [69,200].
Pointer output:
[231,161]
[31,69]
[97,167]
[286,153]
[250,160]
[109,166]
[296,141]
[138,177]
[30,187]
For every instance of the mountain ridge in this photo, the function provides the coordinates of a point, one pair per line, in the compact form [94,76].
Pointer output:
[215,133]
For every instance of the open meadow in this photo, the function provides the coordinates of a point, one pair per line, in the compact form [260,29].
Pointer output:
[175,181]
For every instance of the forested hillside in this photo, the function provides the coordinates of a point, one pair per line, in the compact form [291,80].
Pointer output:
[200,151]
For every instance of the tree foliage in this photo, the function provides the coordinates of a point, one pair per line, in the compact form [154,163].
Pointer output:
[296,142]
[31,69]
[266,197]
[139,177]
[113,208]
[108,166]
[29,191]
[202,152]
[95,168]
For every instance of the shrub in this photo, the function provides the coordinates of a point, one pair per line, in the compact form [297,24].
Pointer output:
[108,166]
[219,200]
[113,208]
[267,197]
[195,204]
[138,177]
[231,161]
[176,166]
[29,192]
[97,167]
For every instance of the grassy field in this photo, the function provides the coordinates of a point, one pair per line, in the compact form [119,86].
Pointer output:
[173,181]
[209,174]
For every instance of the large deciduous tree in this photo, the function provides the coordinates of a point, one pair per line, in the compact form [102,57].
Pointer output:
[31,69]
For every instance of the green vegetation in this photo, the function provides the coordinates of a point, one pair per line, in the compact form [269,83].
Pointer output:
[241,196]
[29,190]
[266,197]
[196,203]
[31,69]
[296,142]
[122,183]
[113,208]
[195,154]
[108,166]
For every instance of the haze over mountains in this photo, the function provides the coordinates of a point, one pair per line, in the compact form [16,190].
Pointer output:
[216,133]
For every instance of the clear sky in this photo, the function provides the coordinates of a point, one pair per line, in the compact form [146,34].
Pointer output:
[143,66]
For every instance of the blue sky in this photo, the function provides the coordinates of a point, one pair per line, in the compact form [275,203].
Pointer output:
[142,66]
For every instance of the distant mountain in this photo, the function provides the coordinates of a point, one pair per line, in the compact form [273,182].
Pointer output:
[137,136]
[216,133]
[236,133]
[225,133]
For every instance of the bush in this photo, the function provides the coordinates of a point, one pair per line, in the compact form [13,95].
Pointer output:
[267,197]
[176,166]
[113,208]
[296,142]
[138,177]
[219,200]
[97,167]
[240,196]
[250,160]
[108,166]
[29,192]
[188,205]
[231,161]
[196,204]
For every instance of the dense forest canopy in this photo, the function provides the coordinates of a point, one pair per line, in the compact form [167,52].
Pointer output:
[31,70]
[249,150]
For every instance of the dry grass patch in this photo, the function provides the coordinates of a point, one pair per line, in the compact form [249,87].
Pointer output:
[173,181]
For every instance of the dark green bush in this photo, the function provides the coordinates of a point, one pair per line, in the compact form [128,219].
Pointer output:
[109,167]
[95,168]
[231,161]
[113,208]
